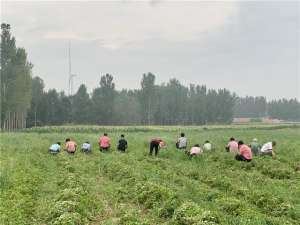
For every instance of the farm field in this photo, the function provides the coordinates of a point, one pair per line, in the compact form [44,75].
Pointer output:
[135,189]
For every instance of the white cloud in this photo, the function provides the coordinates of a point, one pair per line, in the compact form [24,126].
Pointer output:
[117,24]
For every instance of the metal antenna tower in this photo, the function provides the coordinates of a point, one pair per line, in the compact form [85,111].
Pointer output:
[71,76]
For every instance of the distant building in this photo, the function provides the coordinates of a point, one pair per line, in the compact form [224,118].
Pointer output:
[256,120]
[241,120]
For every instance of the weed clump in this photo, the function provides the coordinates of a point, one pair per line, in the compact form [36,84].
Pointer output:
[156,196]
[68,218]
[231,206]
[190,213]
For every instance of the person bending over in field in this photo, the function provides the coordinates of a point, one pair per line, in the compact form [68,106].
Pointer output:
[86,147]
[104,143]
[70,146]
[156,144]
[122,146]
[55,148]
[255,147]
[245,153]
[195,150]
[268,149]
[181,142]
[232,146]
[207,146]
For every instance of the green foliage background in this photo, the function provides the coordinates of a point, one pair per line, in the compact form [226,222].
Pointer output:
[133,188]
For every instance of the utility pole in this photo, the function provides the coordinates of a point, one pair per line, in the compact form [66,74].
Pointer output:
[70,69]
[72,83]
[71,76]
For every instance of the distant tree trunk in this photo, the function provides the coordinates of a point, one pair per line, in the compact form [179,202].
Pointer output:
[9,122]
[35,117]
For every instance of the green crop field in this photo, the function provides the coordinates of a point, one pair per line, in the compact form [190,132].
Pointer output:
[135,189]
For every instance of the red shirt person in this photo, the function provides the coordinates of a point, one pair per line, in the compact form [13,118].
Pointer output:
[245,153]
[104,142]
[155,144]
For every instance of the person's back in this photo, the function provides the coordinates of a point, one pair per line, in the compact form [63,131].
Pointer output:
[246,152]
[86,147]
[182,142]
[156,141]
[122,146]
[254,147]
[55,148]
[196,150]
[155,144]
[232,146]
[71,146]
[268,149]
[207,146]
[104,142]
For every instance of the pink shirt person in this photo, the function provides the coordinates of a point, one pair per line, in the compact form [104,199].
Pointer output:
[196,150]
[232,146]
[246,152]
[104,141]
[71,146]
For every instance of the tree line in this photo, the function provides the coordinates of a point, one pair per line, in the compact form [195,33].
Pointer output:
[165,104]
[15,82]
[257,107]
[26,103]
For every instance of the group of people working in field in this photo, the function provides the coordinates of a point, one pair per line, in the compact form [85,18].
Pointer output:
[243,152]
[86,147]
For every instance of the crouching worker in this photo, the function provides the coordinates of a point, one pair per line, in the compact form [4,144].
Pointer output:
[207,146]
[268,149]
[156,144]
[55,148]
[195,150]
[86,147]
[255,147]
[232,145]
[122,146]
[70,146]
[245,153]
[181,142]
[104,143]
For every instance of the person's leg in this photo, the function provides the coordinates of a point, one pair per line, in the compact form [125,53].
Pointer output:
[239,158]
[156,149]
[151,148]
[266,153]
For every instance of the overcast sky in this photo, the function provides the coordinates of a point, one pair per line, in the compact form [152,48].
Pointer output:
[251,48]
